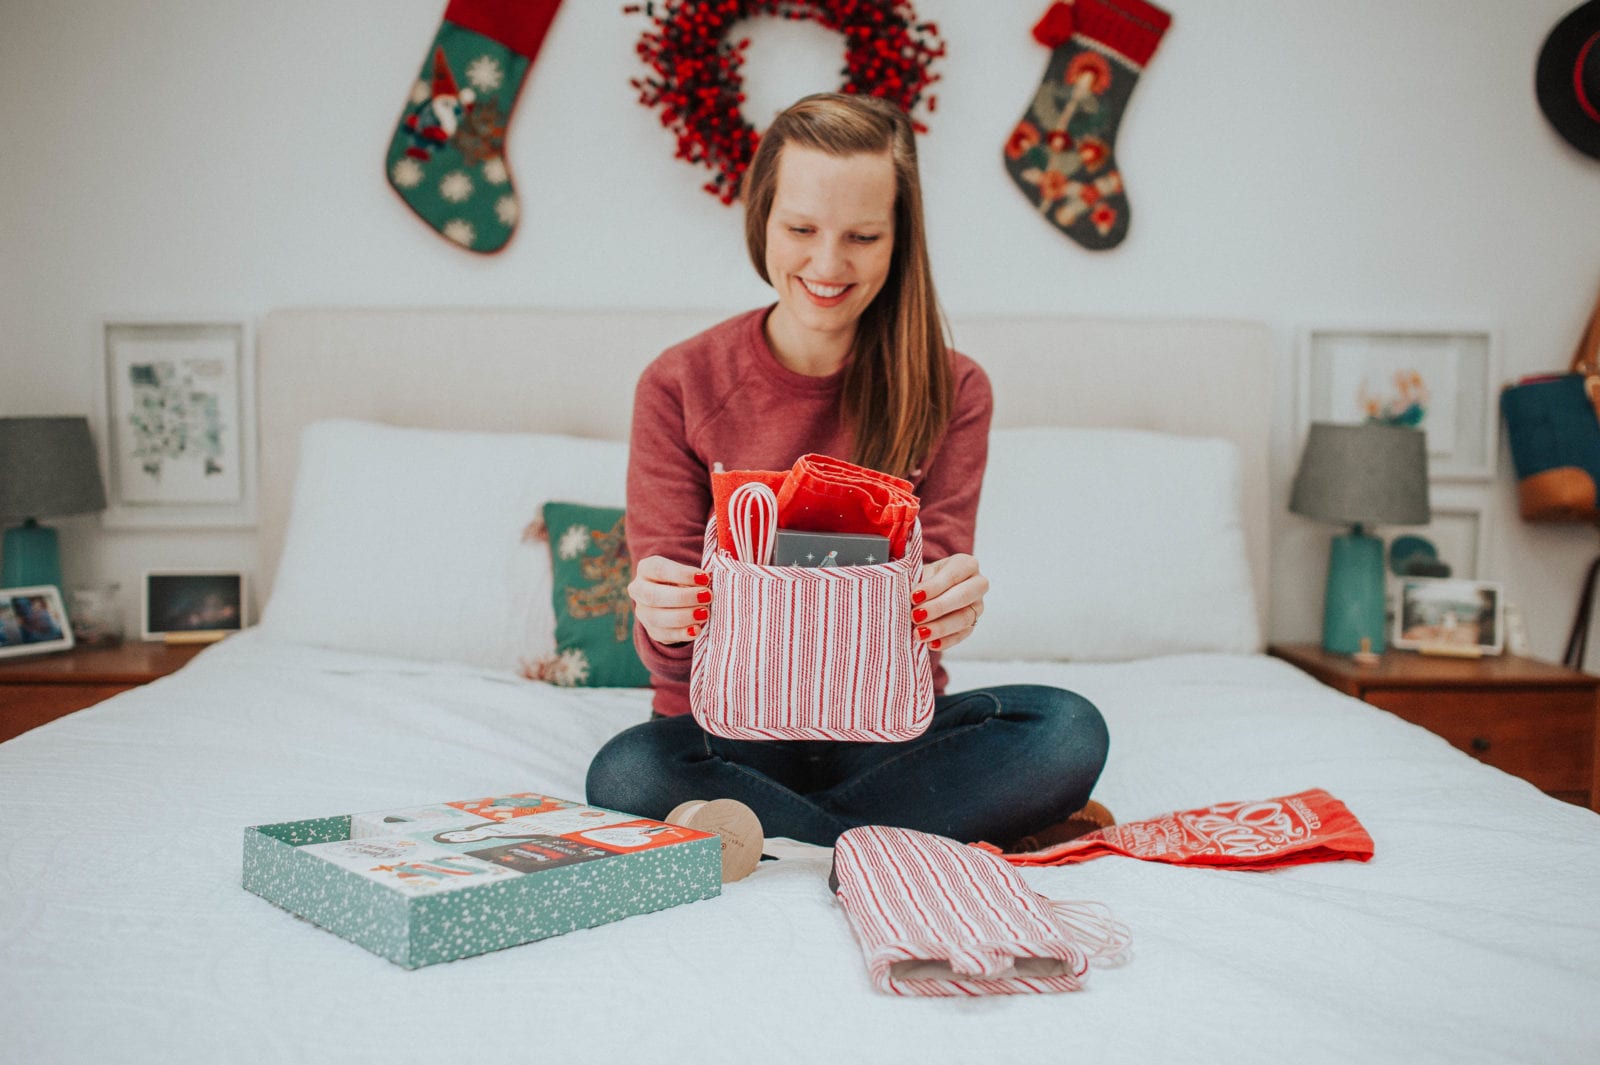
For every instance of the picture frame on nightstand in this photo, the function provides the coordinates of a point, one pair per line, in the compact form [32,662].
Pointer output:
[33,620]
[192,606]
[1446,615]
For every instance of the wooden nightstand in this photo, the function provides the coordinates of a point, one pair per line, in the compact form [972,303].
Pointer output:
[1536,720]
[41,688]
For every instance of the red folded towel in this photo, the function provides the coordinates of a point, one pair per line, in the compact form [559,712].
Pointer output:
[1310,826]
[823,494]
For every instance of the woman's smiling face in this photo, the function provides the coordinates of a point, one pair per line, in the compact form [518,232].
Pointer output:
[830,241]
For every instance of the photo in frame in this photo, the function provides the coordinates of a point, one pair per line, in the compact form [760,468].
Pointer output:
[177,423]
[1436,380]
[33,620]
[192,605]
[1450,615]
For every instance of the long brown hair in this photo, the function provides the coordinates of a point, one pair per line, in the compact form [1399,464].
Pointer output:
[898,388]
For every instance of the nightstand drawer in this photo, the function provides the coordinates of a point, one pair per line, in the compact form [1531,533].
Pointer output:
[1544,736]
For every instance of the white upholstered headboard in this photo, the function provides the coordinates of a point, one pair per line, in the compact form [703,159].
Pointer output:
[530,370]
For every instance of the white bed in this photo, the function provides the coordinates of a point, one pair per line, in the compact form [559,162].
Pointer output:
[1472,935]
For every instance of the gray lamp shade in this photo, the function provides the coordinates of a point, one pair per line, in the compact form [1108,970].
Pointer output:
[48,468]
[1363,475]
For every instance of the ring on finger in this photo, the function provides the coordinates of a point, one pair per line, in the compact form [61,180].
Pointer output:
[975,616]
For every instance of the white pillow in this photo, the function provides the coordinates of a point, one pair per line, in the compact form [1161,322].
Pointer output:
[1111,544]
[420,543]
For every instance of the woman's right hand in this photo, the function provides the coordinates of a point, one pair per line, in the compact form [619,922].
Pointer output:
[672,601]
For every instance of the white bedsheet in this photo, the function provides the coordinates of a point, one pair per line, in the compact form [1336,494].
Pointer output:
[1473,935]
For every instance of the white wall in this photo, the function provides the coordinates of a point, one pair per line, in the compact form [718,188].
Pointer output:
[1296,162]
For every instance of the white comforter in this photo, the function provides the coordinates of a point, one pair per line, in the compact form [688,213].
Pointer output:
[1473,935]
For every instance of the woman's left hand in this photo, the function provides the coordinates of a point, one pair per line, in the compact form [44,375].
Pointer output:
[949,601]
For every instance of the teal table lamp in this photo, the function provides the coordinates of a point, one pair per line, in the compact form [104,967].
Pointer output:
[1360,475]
[48,469]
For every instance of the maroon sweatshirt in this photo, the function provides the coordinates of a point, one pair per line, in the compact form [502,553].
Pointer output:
[723,396]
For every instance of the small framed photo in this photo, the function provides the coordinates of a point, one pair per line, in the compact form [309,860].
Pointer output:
[33,620]
[192,606]
[1450,615]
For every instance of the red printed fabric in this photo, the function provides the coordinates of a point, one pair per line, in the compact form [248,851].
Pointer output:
[793,653]
[823,494]
[1310,826]
[939,918]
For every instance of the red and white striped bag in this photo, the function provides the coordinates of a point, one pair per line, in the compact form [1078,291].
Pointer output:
[939,918]
[793,653]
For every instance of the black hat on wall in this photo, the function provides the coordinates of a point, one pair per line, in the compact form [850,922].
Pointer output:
[1567,79]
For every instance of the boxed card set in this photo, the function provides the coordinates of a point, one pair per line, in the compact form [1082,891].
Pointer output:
[435,883]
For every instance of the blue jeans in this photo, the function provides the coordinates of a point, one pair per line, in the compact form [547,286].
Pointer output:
[995,764]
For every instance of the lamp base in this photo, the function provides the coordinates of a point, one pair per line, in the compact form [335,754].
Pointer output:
[30,555]
[1353,606]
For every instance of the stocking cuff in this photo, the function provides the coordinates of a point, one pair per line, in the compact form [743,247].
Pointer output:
[1055,28]
[520,25]
[1131,28]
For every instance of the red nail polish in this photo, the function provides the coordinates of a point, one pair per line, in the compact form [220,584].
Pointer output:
[919,615]
[934,645]
[702,578]
[703,597]
[701,613]
[919,597]
[691,630]
[924,632]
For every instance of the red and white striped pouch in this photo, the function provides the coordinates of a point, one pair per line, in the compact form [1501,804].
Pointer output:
[939,918]
[793,653]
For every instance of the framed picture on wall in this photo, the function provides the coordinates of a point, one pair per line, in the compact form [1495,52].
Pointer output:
[177,422]
[1437,380]
[1459,531]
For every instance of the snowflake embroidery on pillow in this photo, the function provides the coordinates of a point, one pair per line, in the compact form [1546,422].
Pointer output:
[574,542]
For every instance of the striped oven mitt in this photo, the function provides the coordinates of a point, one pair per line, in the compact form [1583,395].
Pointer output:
[935,917]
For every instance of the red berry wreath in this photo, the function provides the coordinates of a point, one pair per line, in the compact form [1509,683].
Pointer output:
[696,78]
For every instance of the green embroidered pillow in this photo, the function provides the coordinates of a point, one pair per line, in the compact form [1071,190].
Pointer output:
[594,615]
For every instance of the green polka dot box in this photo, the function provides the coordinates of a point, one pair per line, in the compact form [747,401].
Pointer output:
[436,883]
